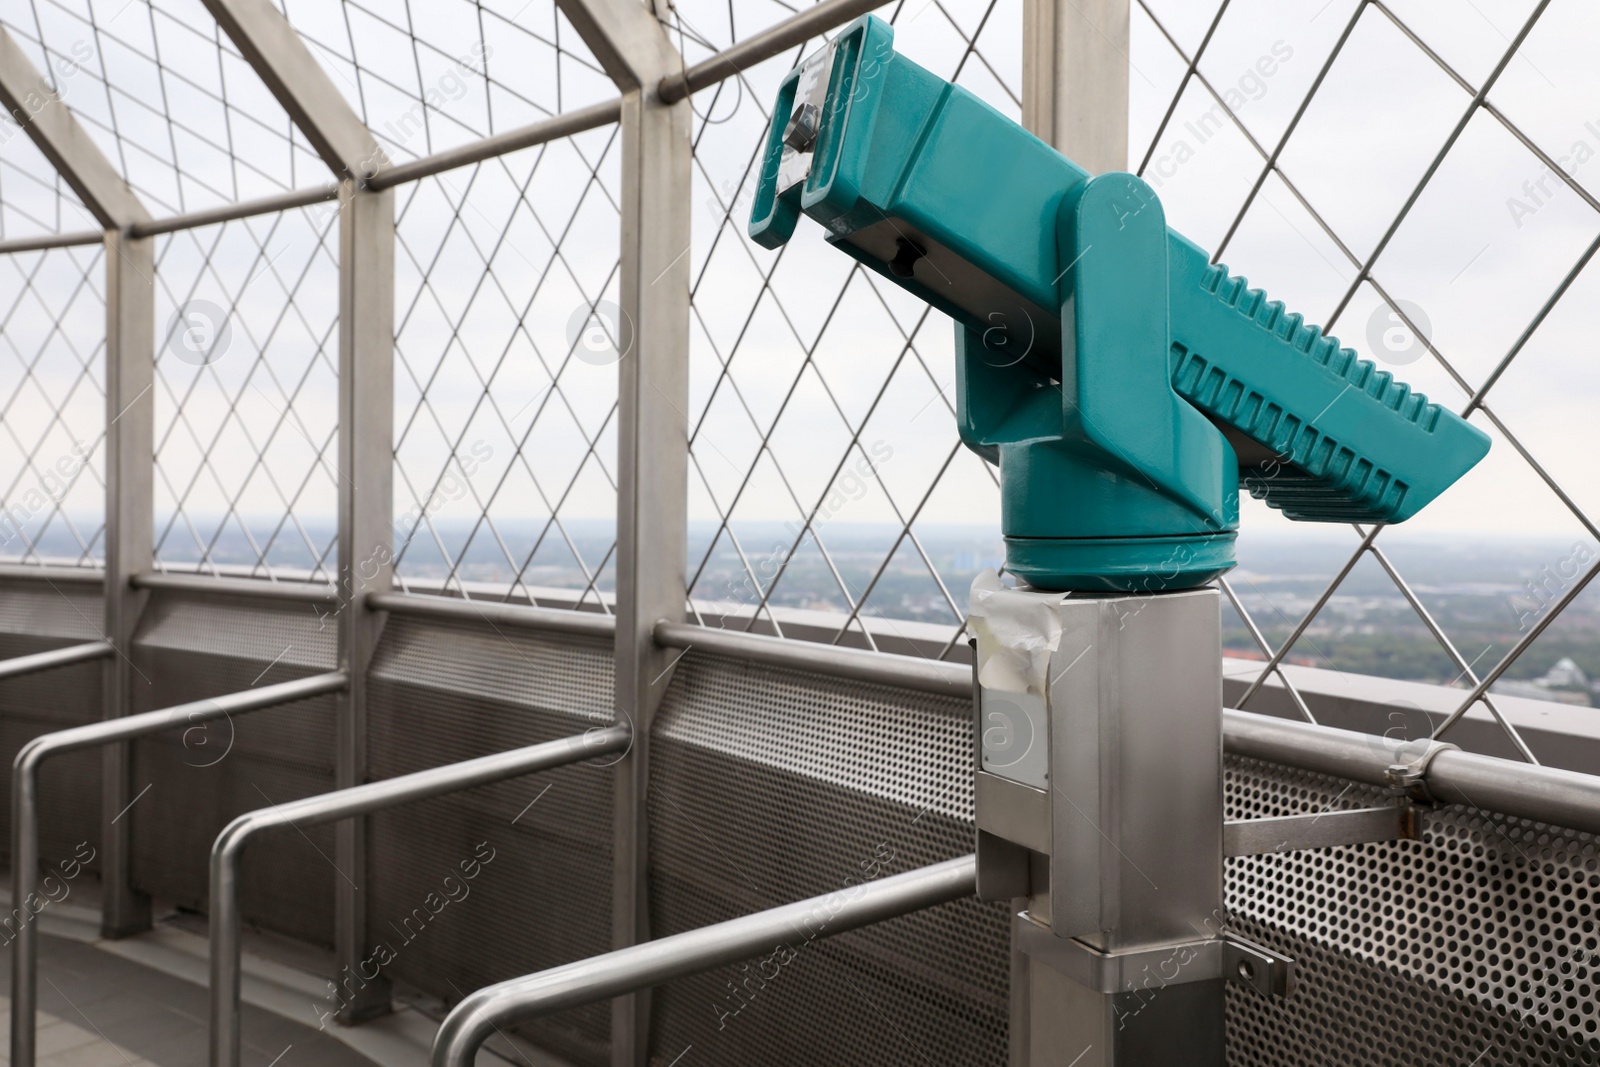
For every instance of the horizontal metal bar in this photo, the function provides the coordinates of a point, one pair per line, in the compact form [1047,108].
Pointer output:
[244,209]
[550,129]
[25,803]
[53,240]
[226,965]
[303,592]
[435,781]
[1544,794]
[1327,829]
[524,616]
[653,962]
[795,30]
[17,666]
[94,734]
[52,574]
[906,672]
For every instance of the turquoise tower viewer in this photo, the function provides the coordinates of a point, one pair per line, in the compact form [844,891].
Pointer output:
[1124,385]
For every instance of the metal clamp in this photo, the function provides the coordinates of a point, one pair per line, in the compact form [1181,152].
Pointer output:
[1225,956]
[1411,779]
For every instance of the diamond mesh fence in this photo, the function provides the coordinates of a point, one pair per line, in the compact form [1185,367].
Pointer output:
[52,406]
[1416,184]
[246,396]
[427,77]
[1417,178]
[168,99]
[506,388]
[825,471]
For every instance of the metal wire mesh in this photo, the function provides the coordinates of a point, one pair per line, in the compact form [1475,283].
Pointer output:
[168,98]
[820,396]
[505,448]
[426,77]
[245,394]
[505,285]
[823,461]
[34,198]
[52,406]
[1413,215]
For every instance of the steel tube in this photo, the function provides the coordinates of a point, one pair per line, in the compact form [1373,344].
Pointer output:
[906,672]
[763,46]
[523,616]
[25,818]
[1543,794]
[39,572]
[343,804]
[244,209]
[17,666]
[550,129]
[305,592]
[52,240]
[653,962]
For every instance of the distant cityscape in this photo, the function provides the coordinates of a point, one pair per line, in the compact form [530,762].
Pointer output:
[1483,594]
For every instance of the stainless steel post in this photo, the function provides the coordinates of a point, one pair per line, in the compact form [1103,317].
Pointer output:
[25,902]
[130,528]
[344,804]
[652,437]
[366,519]
[1075,78]
[1100,800]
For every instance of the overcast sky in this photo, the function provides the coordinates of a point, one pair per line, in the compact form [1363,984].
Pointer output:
[1489,239]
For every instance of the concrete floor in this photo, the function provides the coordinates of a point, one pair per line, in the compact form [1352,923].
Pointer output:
[100,1010]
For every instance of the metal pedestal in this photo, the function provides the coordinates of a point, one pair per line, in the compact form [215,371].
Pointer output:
[1100,812]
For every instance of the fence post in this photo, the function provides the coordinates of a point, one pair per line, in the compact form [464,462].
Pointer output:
[1075,79]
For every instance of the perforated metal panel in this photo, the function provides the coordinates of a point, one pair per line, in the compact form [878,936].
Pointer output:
[201,777]
[1475,945]
[452,921]
[770,786]
[35,618]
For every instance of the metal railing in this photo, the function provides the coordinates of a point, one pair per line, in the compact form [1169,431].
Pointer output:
[344,804]
[17,666]
[649,964]
[25,817]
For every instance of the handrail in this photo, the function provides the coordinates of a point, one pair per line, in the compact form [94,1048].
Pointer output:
[25,818]
[46,241]
[17,666]
[553,128]
[907,672]
[638,967]
[1485,783]
[243,209]
[51,573]
[260,588]
[523,616]
[794,30]
[343,804]
[1544,794]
